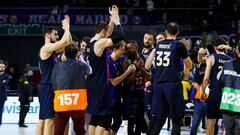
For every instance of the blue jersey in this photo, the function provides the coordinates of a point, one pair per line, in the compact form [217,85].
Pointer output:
[115,69]
[138,84]
[45,91]
[145,54]
[46,67]
[219,61]
[97,84]
[167,58]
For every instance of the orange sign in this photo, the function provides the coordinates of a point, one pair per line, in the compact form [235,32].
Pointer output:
[198,94]
[70,100]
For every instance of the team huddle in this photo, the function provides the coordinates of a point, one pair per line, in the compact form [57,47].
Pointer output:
[111,81]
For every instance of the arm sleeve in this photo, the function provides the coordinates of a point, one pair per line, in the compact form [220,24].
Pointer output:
[112,72]
[118,34]
[182,50]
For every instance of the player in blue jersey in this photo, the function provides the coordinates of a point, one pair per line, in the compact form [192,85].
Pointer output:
[149,42]
[160,36]
[168,96]
[45,91]
[116,76]
[97,83]
[134,88]
[214,64]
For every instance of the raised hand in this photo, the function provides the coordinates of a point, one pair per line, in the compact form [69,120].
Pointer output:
[113,10]
[224,47]
[66,22]
[114,14]
[203,51]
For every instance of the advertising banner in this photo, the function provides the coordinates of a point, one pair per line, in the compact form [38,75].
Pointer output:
[12,109]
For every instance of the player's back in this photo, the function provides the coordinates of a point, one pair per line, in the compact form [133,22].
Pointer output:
[219,60]
[167,61]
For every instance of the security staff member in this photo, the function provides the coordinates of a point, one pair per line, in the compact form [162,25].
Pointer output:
[69,84]
[25,97]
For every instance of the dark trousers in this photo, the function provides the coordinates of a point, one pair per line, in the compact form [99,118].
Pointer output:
[232,123]
[61,119]
[156,126]
[147,109]
[136,112]
[1,110]
[24,108]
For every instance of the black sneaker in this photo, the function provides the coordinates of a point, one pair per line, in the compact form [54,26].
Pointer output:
[22,125]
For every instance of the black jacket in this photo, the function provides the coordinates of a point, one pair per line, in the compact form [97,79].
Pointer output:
[4,78]
[24,89]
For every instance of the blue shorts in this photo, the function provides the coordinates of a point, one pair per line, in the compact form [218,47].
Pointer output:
[99,102]
[168,100]
[46,96]
[213,104]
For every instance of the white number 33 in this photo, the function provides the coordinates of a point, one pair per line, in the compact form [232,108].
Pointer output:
[163,58]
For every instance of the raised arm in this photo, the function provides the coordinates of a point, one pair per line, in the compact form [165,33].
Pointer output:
[117,35]
[48,48]
[112,11]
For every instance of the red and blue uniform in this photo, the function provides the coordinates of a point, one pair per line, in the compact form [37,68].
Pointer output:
[97,84]
[115,69]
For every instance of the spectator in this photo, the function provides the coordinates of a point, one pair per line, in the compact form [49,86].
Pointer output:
[4,78]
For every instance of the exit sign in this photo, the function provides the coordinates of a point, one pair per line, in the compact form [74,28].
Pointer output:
[21,30]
